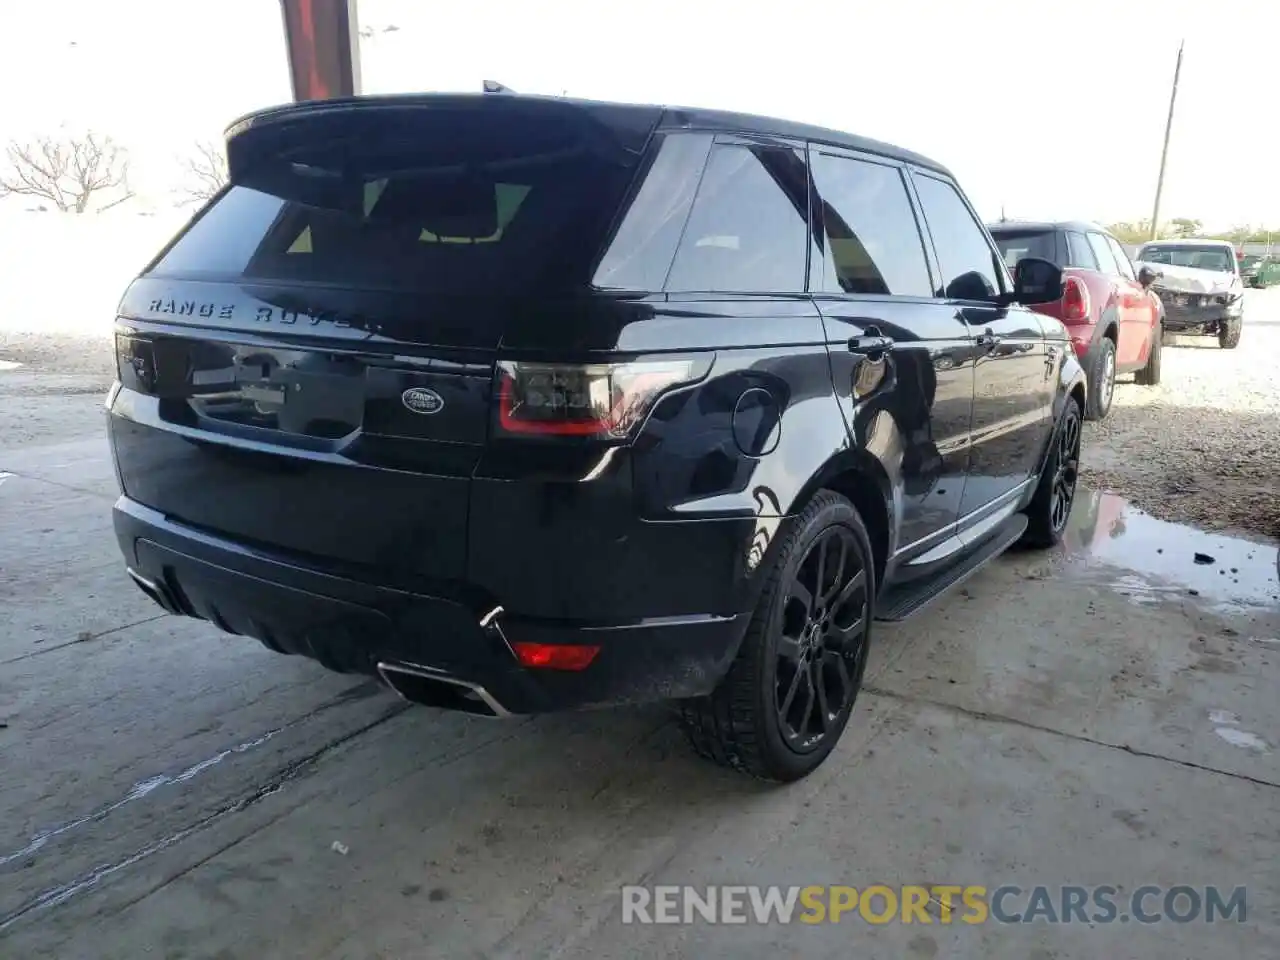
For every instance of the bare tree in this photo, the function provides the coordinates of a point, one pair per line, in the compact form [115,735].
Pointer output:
[75,174]
[206,173]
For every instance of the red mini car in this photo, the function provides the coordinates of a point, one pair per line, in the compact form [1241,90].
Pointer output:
[1114,318]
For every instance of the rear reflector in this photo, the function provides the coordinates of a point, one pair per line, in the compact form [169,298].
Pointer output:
[555,656]
[605,401]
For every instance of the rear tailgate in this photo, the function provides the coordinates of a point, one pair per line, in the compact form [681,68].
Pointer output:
[309,367]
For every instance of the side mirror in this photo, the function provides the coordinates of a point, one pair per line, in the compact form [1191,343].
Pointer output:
[1036,281]
[1148,275]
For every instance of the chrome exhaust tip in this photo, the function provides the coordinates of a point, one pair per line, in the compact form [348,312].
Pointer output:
[156,592]
[434,688]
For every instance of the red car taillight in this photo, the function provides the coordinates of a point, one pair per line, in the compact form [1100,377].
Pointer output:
[604,401]
[1075,300]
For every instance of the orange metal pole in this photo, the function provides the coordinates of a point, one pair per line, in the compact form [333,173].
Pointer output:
[323,38]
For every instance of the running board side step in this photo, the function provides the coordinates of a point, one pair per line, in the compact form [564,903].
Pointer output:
[898,603]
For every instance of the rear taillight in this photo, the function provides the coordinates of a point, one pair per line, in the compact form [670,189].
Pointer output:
[1075,299]
[604,401]
[135,363]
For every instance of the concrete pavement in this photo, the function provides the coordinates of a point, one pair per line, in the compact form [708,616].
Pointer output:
[1101,715]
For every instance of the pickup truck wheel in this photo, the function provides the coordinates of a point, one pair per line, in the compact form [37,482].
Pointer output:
[1229,329]
[1050,508]
[785,701]
[1102,380]
[1149,375]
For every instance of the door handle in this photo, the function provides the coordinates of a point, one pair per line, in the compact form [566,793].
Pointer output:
[988,339]
[872,343]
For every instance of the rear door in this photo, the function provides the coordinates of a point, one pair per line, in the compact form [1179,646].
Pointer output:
[1138,316]
[1013,395]
[1116,298]
[310,365]
[872,272]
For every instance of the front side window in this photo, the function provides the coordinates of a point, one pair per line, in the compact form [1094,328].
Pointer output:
[873,243]
[967,260]
[748,231]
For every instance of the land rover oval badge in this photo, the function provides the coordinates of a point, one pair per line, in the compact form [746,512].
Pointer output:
[422,400]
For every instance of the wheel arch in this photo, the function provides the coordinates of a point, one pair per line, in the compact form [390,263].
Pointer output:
[861,478]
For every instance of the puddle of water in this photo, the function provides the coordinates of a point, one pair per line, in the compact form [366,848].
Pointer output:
[1152,560]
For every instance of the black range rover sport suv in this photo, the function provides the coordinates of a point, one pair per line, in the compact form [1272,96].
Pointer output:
[528,404]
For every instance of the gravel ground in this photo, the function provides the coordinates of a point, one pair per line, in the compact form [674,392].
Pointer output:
[57,392]
[1201,448]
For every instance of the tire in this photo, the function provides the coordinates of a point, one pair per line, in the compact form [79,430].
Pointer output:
[1149,375]
[1102,380]
[750,721]
[1050,508]
[1229,332]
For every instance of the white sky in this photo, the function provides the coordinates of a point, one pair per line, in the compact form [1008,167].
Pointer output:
[1049,109]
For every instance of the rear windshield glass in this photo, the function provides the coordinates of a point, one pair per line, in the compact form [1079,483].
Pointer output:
[1219,259]
[450,205]
[1016,245]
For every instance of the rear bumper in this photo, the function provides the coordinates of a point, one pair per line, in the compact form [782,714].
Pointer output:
[356,627]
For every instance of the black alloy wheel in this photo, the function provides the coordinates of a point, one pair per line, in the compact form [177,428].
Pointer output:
[1067,470]
[821,648]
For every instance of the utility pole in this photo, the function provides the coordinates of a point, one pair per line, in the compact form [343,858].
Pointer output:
[1164,153]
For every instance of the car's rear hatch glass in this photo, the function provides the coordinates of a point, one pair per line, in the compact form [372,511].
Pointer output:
[311,360]
[1015,245]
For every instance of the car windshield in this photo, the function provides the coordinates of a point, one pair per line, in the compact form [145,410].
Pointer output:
[1219,259]
[1015,245]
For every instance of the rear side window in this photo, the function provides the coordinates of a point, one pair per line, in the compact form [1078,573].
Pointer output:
[873,243]
[1079,253]
[645,243]
[1106,259]
[1122,258]
[458,205]
[968,263]
[1015,245]
[748,229]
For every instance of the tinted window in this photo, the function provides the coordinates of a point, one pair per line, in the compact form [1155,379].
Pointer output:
[968,263]
[1122,258]
[1106,259]
[1014,245]
[645,243]
[873,243]
[747,232]
[1184,255]
[1079,253]
[472,207]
